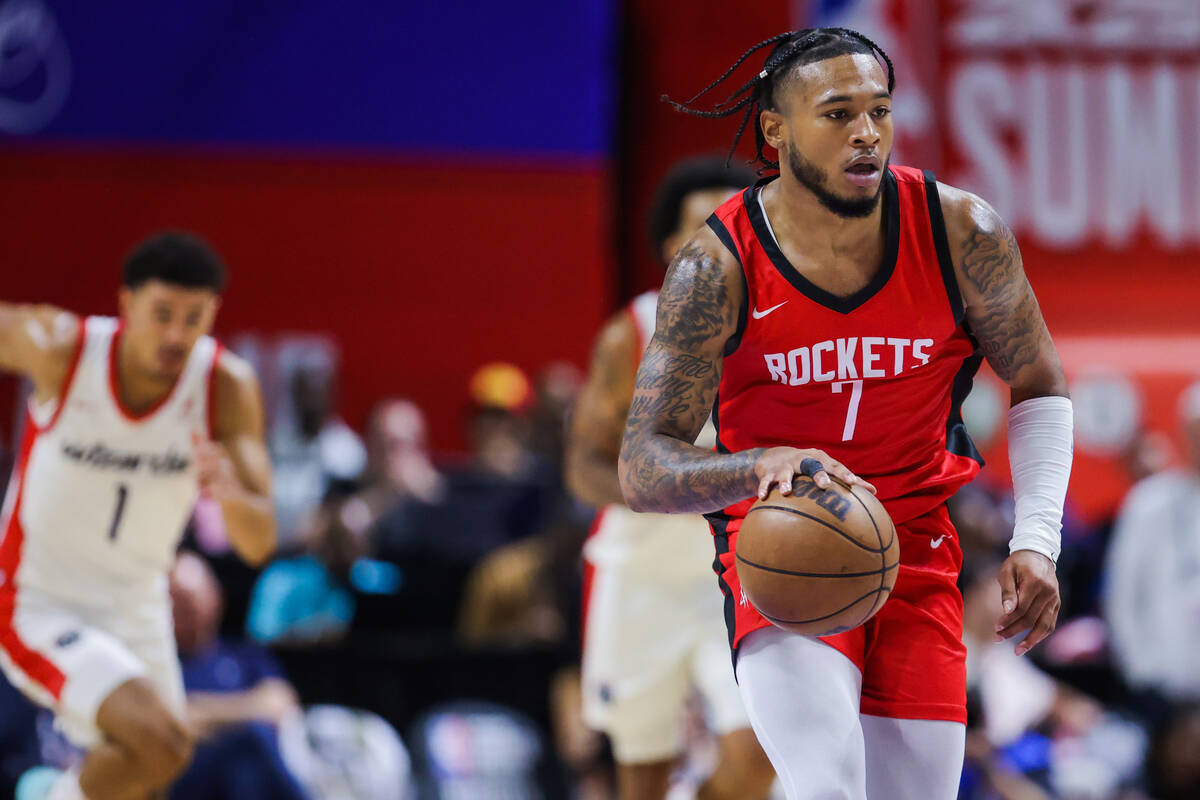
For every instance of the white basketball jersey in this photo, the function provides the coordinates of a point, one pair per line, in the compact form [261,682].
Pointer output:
[676,548]
[101,496]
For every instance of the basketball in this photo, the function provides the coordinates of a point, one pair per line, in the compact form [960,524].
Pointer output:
[818,561]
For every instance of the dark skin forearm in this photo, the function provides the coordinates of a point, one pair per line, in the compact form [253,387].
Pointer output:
[598,418]
[673,393]
[684,478]
[593,479]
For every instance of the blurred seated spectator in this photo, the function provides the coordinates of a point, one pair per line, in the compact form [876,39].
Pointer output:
[236,694]
[1174,761]
[1153,567]
[503,493]
[508,601]
[528,592]
[1028,734]
[558,384]
[311,448]
[1084,551]
[311,598]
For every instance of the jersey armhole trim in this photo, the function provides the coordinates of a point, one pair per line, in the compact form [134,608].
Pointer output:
[718,227]
[210,397]
[941,244]
[68,379]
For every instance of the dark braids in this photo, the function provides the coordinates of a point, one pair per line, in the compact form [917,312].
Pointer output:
[787,50]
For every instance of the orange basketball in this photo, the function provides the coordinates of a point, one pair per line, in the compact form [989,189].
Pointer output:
[818,561]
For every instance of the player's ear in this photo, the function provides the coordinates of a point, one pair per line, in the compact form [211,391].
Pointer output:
[772,127]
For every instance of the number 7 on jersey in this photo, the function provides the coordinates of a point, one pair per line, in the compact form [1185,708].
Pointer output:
[852,411]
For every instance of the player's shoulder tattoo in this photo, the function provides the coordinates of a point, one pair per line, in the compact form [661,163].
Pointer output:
[990,256]
[1001,308]
[695,303]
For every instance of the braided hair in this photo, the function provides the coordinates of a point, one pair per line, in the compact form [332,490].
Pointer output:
[788,50]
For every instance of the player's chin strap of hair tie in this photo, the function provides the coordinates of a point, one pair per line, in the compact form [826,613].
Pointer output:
[1040,446]
[810,467]
[762,76]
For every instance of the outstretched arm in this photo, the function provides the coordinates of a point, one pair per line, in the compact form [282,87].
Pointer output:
[38,342]
[598,419]
[660,468]
[235,470]
[1004,316]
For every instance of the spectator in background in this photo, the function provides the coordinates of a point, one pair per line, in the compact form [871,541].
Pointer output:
[1153,597]
[236,696]
[311,448]
[1174,769]
[311,598]
[502,493]
[400,478]
[1030,736]
[1081,570]
[558,385]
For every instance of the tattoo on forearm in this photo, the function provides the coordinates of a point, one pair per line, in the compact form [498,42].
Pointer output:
[1007,321]
[673,395]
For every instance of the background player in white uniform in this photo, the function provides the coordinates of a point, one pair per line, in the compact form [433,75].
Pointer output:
[653,624]
[129,420]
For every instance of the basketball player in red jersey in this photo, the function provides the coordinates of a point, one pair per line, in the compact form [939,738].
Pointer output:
[128,421]
[653,631]
[836,314]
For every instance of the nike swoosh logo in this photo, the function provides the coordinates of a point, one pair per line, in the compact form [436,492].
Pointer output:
[760,314]
[934,544]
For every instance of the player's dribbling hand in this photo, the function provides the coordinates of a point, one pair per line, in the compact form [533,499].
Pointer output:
[780,465]
[1029,598]
[214,469]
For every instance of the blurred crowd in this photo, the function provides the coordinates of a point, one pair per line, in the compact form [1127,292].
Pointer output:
[417,634]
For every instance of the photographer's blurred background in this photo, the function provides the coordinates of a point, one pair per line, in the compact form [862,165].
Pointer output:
[428,211]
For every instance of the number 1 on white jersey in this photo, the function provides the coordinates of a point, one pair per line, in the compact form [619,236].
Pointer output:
[852,411]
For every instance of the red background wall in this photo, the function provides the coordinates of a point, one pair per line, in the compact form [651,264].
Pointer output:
[422,273]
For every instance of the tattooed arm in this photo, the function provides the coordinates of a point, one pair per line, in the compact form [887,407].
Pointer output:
[1004,316]
[660,469]
[1000,306]
[598,419]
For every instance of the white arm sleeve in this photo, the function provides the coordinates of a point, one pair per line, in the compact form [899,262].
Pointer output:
[1040,446]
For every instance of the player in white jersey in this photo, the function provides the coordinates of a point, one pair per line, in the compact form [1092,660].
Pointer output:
[128,422]
[652,624]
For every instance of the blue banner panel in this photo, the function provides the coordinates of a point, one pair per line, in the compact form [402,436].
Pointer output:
[532,77]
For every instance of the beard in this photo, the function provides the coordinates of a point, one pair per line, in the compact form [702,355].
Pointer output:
[814,180]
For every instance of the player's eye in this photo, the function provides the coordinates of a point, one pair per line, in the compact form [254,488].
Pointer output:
[837,113]
[193,319]
[163,315]
[881,112]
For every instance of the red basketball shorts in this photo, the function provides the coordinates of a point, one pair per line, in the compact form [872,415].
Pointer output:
[911,655]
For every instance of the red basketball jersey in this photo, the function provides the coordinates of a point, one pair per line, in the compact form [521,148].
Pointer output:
[875,379]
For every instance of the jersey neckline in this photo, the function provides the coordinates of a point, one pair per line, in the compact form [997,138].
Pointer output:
[842,305]
[114,385]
